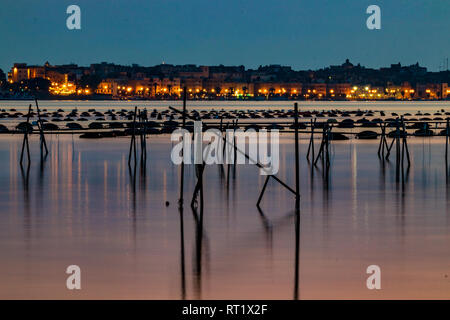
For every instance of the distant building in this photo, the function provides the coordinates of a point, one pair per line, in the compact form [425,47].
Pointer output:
[21,71]
[345,81]
[314,90]
[432,90]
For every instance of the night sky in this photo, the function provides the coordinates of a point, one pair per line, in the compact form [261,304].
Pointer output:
[302,34]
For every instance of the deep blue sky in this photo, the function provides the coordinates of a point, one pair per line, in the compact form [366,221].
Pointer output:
[302,34]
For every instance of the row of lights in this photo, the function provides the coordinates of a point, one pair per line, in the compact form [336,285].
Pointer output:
[265,91]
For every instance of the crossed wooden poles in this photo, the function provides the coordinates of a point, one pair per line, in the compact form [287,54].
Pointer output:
[142,118]
[399,134]
[200,167]
[324,149]
[28,130]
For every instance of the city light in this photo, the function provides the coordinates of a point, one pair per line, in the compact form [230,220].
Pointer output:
[157,86]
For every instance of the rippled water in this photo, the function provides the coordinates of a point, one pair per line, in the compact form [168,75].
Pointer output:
[82,205]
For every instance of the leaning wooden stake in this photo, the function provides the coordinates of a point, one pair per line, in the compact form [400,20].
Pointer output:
[405,144]
[43,143]
[322,147]
[446,140]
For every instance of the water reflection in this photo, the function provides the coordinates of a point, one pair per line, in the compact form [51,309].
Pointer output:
[297,257]
[182,254]
[119,222]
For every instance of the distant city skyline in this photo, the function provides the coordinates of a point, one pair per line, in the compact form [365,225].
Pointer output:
[199,65]
[304,35]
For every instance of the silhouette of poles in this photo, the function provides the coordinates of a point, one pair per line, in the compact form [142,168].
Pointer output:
[184,114]
[133,139]
[383,142]
[297,165]
[143,137]
[297,257]
[25,143]
[252,161]
[28,130]
[297,203]
[43,143]
[447,137]
[234,143]
[182,253]
[234,153]
[181,208]
[405,144]
[199,169]
[399,151]
[324,153]
[297,171]
[311,141]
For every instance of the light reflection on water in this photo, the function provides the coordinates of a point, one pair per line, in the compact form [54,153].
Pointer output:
[83,206]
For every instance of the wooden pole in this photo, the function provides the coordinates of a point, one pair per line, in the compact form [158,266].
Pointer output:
[25,139]
[133,139]
[311,141]
[297,165]
[41,131]
[382,139]
[182,152]
[262,191]
[446,140]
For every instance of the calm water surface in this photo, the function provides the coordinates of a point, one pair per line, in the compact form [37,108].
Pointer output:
[83,206]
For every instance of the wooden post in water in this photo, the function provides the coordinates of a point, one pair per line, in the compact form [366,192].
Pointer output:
[43,143]
[297,202]
[184,114]
[311,141]
[388,149]
[405,144]
[328,137]
[446,140]
[142,129]
[262,191]
[234,143]
[253,161]
[322,145]
[133,139]
[25,139]
[383,141]
[297,165]
[397,144]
